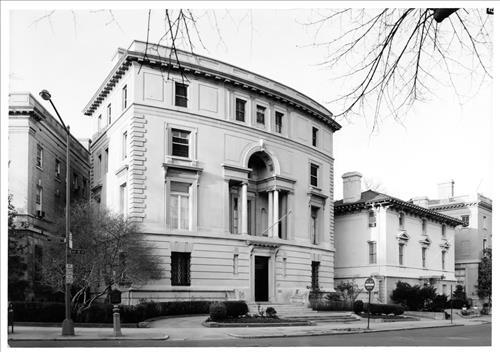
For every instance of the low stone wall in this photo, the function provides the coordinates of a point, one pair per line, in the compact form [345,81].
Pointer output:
[427,315]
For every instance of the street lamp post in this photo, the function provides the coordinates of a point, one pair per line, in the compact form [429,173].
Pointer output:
[67,326]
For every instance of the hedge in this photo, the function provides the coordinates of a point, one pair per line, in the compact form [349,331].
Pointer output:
[331,306]
[54,312]
[376,308]
[235,308]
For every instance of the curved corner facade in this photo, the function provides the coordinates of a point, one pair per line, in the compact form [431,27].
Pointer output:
[230,175]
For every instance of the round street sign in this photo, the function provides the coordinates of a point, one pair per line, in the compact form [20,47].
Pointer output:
[369,284]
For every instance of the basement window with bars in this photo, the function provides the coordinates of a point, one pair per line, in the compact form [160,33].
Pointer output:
[181,269]
[315,276]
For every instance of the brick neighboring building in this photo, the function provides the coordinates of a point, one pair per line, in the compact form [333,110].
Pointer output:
[37,172]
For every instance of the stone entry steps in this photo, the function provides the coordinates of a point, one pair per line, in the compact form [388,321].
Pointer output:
[294,311]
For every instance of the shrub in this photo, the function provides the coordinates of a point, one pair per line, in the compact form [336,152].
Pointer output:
[357,306]
[332,306]
[333,296]
[52,312]
[439,303]
[271,312]
[458,303]
[235,308]
[217,311]
[377,309]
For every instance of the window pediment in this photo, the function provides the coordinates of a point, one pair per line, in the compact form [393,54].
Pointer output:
[403,237]
[445,245]
[425,242]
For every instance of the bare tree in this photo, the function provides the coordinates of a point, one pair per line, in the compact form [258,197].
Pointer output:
[395,57]
[115,254]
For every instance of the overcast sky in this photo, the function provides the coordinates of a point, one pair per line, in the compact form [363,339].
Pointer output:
[70,52]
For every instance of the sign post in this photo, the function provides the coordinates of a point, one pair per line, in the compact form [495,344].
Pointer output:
[369,285]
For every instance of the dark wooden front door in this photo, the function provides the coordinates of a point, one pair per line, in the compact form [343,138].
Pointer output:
[261,279]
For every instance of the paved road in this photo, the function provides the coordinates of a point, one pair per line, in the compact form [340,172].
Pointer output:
[477,335]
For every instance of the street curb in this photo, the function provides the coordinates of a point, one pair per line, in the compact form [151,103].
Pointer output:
[340,332]
[91,338]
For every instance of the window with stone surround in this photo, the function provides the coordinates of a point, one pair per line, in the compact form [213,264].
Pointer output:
[314,174]
[180,143]
[278,122]
[179,205]
[372,252]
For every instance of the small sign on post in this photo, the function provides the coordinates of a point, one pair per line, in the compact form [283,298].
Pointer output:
[369,286]
[69,273]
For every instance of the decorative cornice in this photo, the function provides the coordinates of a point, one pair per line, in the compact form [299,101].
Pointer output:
[396,203]
[312,108]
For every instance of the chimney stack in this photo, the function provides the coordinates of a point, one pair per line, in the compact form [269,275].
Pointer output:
[446,190]
[352,186]
[421,202]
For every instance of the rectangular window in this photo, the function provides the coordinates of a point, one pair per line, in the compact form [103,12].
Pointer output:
[315,276]
[180,143]
[109,114]
[372,219]
[180,269]
[234,217]
[124,145]
[124,97]
[485,243]
[181,98]
[443,230]
[372,252]
[443,260]
[123,199]
[240,110]
[75,181]
[106,160]
[278,117]
[465,220]
[424,254]
[401,253]
[315,136]
[261,114]
[98,166]
[485,227]
[401,218]
[445,290]
[424,226]
[38,262]
[284,267]
[99,123]
[314,225]
[235,264]
[38,197]
[179,205]
[58,168]
[39,156]
[314,175]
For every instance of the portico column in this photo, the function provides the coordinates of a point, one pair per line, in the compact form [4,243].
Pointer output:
[270,213]
[276,213]
[244,209]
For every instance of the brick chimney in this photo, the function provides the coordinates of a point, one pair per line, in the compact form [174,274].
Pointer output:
[352,186]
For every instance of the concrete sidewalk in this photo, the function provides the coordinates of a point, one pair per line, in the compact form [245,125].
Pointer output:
[190,328]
